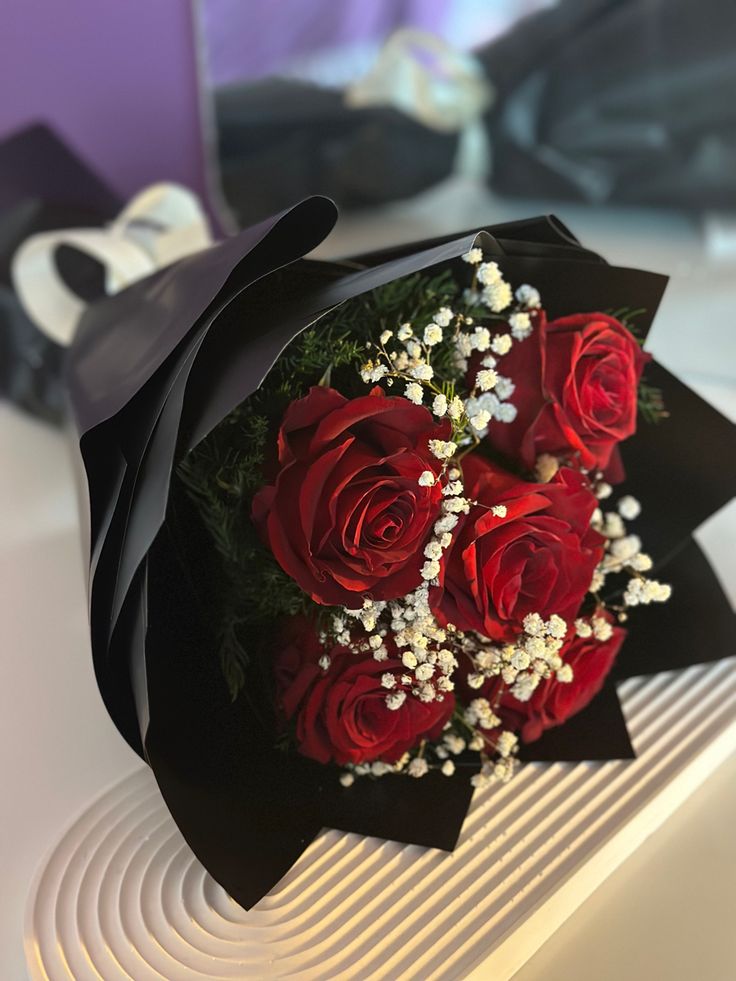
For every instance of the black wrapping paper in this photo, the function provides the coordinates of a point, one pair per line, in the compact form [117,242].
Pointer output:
[154,369]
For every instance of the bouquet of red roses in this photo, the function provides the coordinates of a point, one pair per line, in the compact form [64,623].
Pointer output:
[411,516]
[355,542]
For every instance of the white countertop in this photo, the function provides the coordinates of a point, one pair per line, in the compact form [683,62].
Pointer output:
[666,913]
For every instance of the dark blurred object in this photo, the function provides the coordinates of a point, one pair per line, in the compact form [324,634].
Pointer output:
[618,100]
[280,141]
[43,186]
[600,101]
[30,364]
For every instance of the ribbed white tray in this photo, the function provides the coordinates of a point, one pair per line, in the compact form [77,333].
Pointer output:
[122,896]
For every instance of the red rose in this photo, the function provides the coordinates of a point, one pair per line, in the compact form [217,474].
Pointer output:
[576,384]
[538,558]
[346,517]
[296,666]
[341,713]
[554,702]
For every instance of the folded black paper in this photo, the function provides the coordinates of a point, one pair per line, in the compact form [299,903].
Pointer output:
[682,469]
[154,369]
[246,808]
[598,732]
[698,625]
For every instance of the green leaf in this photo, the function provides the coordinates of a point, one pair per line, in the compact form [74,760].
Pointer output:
[651,403]
[234,661]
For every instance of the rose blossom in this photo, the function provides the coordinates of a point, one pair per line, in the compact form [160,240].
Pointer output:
[341,712]
[538,557]
[554,702]
[347,516]
[576,390]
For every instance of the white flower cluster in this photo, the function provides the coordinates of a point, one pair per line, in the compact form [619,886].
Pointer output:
[453,505]
[492,770]
[646,591]
[623,553]
[421,641]
[480,713]
[427,665]
[546,467]
[522,664]
[489,397]
[412,765]
[495,292]
[528,297]
[596,626]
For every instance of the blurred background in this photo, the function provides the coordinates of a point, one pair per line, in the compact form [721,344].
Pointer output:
[419,117]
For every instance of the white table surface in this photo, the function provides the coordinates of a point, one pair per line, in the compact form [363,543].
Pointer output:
[666,913]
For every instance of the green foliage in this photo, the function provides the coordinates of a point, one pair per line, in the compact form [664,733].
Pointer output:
[221,478]
[627,316]
[651,403]
[222,473]
[233,659]
[650,399]
[320,350]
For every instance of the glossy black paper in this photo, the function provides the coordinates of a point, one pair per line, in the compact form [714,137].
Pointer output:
[156,367]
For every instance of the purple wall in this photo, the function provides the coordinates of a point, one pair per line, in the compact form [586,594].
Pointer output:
[115,78]
[286,29]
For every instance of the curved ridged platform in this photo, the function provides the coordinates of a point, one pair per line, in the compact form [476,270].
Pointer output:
[121,895]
